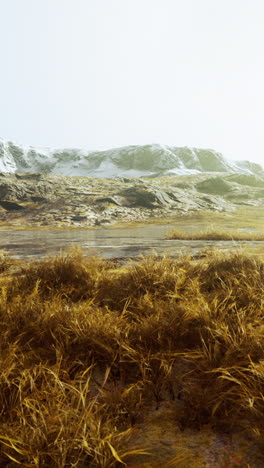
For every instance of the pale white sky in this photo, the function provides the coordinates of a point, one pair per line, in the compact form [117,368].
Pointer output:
[107,73]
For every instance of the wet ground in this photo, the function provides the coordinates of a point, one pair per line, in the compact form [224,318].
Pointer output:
[109,242]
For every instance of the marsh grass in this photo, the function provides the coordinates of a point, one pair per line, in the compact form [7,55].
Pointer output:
[216,234]
[88,349]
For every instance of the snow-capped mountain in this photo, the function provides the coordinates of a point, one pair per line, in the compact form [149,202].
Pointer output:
[129,161]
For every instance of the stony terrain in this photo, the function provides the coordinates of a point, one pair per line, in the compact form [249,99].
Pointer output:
[34,199]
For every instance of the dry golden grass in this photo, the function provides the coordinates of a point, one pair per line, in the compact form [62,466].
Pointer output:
[86,348]
[216,234]
[5,261]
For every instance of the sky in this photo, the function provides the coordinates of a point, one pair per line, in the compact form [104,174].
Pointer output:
[107,73]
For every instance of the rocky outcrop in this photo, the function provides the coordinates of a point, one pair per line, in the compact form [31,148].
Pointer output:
[44,200]
[11,206]
[215,185]
[146,196]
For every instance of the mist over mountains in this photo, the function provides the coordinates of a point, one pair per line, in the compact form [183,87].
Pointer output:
[152,160]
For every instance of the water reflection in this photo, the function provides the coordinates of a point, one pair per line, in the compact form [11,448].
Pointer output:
[108,242]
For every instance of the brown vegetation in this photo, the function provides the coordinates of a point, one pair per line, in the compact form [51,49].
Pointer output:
[216,234]
[87,348]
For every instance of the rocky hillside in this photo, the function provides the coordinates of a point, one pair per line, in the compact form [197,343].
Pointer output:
[35,199]
[130,161]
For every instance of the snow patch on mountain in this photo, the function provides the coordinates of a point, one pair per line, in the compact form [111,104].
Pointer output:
[129,161]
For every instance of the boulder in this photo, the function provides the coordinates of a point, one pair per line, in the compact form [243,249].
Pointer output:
[11,206]
[148,197]
[214,185]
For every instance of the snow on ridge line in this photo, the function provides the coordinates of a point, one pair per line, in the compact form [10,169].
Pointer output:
[140,160]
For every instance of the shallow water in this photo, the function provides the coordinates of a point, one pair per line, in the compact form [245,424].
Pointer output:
[108,242]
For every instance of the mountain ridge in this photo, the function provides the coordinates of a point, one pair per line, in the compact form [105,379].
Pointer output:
[152,160]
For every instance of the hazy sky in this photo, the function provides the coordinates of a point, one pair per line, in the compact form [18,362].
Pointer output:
[108,73]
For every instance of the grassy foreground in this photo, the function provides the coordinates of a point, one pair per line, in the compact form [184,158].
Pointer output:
[87,348]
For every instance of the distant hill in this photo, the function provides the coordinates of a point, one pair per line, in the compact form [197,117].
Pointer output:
[153,160]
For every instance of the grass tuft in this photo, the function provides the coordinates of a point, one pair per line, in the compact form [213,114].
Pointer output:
[88,349]
[216,234]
